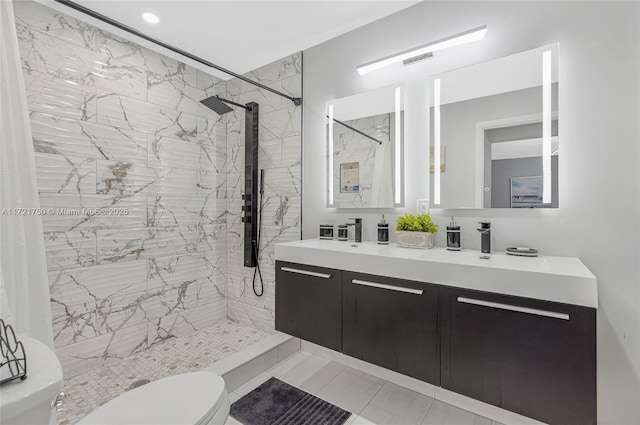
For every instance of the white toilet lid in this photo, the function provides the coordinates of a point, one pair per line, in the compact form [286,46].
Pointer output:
[189,398]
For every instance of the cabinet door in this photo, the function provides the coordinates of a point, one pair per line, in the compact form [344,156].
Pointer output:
[392,323]
[531,357]
[309,303]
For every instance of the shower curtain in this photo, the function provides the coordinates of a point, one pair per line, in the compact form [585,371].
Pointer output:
[24,287]
[382,185]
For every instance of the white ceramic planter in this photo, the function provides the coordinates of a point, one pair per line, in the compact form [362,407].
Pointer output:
[422,240]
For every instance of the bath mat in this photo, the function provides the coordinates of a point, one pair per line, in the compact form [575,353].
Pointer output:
[278,403]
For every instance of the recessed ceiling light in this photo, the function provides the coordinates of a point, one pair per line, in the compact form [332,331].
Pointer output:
[150,17]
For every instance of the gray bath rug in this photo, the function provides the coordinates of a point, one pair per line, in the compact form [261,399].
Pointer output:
[278,403]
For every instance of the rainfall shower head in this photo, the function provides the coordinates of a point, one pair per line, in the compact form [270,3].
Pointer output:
[217,105]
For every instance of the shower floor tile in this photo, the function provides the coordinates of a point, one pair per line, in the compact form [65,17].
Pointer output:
[92,389]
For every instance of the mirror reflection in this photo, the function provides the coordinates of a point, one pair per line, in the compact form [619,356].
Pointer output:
[495,128]
[364,133]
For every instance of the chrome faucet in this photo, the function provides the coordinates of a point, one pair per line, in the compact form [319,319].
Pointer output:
[358,227]
[485,231]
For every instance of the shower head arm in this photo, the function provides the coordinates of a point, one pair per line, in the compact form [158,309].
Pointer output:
[231,102]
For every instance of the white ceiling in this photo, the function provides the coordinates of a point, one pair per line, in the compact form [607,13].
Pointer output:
[240,35]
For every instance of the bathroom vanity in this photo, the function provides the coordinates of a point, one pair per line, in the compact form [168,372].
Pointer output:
[517,333]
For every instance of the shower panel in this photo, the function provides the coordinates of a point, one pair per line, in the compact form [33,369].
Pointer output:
[250,197]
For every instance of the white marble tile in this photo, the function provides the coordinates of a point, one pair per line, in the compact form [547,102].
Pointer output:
[186,323]
[176,270]
[235,185]
[179,211]
[281,124]
[211,184]
[282,211]
[212,237]
[126,178]
[292,85]
[277,70]
[240,289]
[61,97]
[56,135]
[53,56]
[116,245]
[349,391]
[210,85]
[256,317]
[270,154]
[104,349]
[169,152]
[126,112]
[70,249]
[268,101]
[95,283]
[442,413]
[283,182]
[376,415]
[291,151]
[402,402]
[65,174]
[175,89]
[67,212]
[114,47]
[54,23]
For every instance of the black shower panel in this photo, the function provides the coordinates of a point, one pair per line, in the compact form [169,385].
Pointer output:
[250,197]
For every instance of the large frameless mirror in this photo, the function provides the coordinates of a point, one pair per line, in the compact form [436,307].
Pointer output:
[364,150]
[495,133]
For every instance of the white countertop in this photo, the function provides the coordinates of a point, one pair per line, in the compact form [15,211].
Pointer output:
[560,279]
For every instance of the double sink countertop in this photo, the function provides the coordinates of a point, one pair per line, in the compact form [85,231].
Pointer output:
[559,279]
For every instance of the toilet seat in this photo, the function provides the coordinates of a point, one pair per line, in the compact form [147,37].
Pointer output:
[190,398]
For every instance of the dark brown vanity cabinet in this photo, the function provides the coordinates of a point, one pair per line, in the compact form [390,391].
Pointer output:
[535,358]
[392,323]
[532,357]
[309,303]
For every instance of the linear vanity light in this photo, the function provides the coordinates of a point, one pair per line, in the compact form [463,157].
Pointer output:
[436,141]
[546,127]
[475,34]
[398,153]
[330,159]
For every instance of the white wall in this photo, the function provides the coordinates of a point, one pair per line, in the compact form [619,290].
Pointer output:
[599,109]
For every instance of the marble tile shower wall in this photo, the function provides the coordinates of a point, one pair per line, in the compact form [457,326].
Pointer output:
[350,147]
[280,141]
[117,127]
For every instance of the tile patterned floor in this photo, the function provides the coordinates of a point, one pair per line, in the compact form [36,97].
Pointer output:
[373,401]
[91,389]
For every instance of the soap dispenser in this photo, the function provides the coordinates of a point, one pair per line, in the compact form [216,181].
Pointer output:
[453,236]
[383,232]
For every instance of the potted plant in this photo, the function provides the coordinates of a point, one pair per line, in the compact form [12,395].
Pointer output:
[415,231]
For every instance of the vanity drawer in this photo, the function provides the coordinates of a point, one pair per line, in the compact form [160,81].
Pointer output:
[309,303]
[392,323]
[535,358]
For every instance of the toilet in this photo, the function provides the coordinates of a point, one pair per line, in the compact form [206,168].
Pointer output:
[196,398]
[33,401]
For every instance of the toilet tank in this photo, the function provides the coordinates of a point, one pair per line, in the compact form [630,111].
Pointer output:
[32,401]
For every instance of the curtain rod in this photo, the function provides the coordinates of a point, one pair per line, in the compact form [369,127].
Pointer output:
[296,100]
[356,130]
